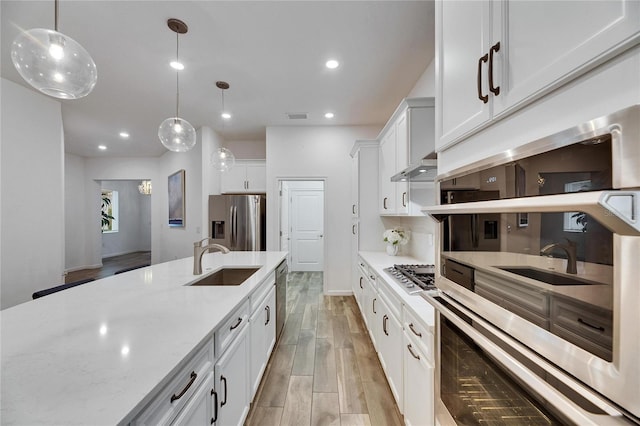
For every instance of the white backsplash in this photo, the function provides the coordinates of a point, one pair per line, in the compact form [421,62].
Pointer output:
[422,232]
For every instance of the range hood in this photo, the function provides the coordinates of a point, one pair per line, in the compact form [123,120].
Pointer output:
[423,171]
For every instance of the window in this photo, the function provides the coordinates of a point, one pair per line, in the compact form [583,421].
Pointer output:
[109,211]
[576,221]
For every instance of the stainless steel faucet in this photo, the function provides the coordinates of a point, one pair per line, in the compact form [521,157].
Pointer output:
[199,250]
[570,248]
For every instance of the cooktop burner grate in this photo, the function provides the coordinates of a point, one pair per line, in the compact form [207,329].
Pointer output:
[413,278]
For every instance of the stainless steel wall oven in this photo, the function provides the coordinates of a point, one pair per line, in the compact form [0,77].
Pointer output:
[539,250]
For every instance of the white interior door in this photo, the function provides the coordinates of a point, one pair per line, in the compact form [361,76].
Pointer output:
[284,219]
[307,229]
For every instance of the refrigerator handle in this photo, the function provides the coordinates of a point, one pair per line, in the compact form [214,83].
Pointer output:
[474,230]
[231,226]
[235,226]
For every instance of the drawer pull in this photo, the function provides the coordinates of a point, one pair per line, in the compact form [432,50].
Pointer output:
[595,327]
[234,326]
[268,309]
[417,333]
[373,307]
[225,390]
[186,388]
[361,283]
[416,356]
[384,324]
[372,277]
[215,406]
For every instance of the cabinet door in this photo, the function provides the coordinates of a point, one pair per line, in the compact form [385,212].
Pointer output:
[256,176]
[198,410]
[233,180]
[232,382]
[387,162]
[418,386]
[402,141]
[257,354]
[355,183]
[463,31]
[544,44]
[371,305]
[390,350]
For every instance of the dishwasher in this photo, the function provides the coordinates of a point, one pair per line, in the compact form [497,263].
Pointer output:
[281,297]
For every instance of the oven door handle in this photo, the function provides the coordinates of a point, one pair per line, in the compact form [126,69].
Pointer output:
[618,210]
[554,397]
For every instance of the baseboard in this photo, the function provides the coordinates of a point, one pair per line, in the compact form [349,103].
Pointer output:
[339,293]
[79,268]
[123,253]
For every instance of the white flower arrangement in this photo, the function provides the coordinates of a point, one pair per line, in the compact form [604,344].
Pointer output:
[396,236]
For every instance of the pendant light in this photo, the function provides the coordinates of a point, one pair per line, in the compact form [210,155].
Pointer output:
[54,63]
[145,187]
[223,159]
[175,133]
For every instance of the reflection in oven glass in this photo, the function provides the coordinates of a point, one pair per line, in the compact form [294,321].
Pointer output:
[477,392]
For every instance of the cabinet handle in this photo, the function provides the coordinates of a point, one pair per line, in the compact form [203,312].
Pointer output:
[372,277]
[404,199]
[416,356]
[494,48]
[483,98]
[186,388]
[417,333]
[268,309]
[384,324]
[222,403]
[353,209]
[384,203]
[234,326]
[595,327]
[215,406]
[373,305]
[361,283]
[353,229]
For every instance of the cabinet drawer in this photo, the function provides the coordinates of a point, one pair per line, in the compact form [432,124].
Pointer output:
[458,273]
[517,293]
[231,327]
[261,292]
[418,333]
[170,400]
[592,323]
[512,307]
[578,340]
[390,297]
[363,267]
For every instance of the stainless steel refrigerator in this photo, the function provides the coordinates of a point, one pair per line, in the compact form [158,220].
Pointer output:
[238,222]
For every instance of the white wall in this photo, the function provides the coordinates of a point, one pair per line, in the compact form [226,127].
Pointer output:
[247,150]
[134,220]
[75,215]
[318,152]
[426,84]
[31,182]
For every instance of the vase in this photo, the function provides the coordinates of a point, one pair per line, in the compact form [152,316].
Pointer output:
[392,249]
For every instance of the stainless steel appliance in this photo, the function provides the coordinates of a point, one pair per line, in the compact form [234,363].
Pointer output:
[281,297]
[413,278]
[556,304]
[473,231]
[238,222]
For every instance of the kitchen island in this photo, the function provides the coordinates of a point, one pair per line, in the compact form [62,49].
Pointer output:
[97,353]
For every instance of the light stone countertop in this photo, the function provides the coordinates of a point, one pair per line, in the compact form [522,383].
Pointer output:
[93,354]
[595,294]
[378,261]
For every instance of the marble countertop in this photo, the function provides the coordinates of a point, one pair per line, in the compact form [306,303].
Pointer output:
[94,353]
[378,261]
[600,293]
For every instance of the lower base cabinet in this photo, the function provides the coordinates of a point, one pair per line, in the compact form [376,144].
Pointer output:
[263,338]
[418,385]
[198,410]
[232,382]
[390,350]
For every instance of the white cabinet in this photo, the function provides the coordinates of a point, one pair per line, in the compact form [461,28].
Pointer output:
[246,176]
[387,168]
[389,335]
[494,57]
[232,381]
[371,305]
[199,408]
[263,337]
[418,385]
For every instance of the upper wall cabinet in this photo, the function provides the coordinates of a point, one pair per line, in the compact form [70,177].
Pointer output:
[494,57]
[407,138]
[246,176]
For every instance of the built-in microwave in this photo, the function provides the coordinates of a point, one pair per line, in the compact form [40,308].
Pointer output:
[560,279]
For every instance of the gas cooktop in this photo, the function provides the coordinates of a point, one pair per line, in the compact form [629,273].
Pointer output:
[413,278]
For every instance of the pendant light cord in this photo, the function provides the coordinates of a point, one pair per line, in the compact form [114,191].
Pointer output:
[223,110]
[55,14]
[177,78]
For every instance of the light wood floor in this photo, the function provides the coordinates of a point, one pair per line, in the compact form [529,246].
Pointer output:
[111,265]
[324,370]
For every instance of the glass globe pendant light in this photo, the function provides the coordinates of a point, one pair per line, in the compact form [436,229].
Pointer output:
[223,159]
[175,133]
[54,63]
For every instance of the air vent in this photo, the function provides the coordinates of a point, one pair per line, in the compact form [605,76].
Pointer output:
[297,115]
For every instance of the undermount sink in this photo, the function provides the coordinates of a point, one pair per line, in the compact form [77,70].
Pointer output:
[545,276]
[227,276]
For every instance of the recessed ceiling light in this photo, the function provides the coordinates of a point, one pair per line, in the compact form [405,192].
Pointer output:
[124,135]
[102,147]
[225,115]
[332,64]
[328,115]
[177,65]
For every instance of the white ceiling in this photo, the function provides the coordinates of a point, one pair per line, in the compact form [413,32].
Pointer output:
[272,53]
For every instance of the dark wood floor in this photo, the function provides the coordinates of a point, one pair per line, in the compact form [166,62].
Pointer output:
[324,370]
[111,265]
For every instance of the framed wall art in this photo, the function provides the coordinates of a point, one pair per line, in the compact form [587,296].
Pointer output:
[176,199]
